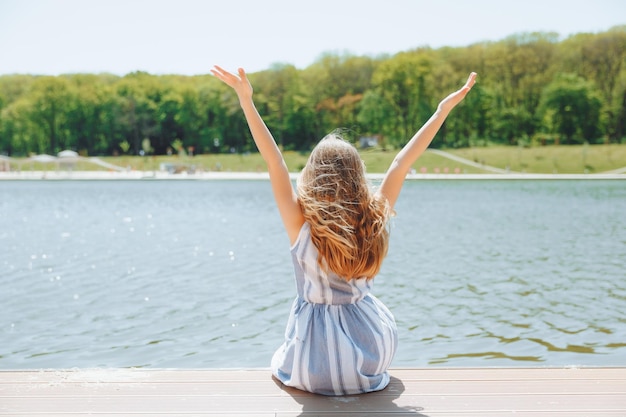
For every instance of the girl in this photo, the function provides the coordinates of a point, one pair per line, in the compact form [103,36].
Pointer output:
[340,339]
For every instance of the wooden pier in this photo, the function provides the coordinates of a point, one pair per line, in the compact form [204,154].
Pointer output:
[434,392]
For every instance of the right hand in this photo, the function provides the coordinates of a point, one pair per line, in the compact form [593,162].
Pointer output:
[240,83]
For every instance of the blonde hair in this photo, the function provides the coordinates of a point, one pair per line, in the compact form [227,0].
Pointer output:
[348,221]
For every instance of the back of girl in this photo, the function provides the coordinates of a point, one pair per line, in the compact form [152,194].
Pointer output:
[340,339]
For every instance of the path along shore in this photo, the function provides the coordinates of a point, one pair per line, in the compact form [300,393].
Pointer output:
[221,175]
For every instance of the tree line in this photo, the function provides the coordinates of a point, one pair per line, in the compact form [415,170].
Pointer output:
[532,88]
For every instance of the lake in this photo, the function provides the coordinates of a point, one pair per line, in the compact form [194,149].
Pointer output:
[197,274]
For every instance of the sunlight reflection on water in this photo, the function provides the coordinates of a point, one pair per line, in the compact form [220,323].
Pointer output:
[198,274]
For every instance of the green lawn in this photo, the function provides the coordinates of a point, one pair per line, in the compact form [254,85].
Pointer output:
[550,159]
[546,159]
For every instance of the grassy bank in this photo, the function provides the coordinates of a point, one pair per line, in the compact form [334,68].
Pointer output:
[547,159]
[550,159]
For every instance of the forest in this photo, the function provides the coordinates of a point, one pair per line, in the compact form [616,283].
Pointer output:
[533,89]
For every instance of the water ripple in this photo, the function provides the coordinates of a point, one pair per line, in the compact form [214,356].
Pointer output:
[198,274]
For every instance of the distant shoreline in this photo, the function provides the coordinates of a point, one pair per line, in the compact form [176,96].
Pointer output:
[219,175]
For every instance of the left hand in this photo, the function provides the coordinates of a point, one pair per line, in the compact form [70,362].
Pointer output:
[455,98]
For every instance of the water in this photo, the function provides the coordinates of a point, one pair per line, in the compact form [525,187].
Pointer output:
[194,274]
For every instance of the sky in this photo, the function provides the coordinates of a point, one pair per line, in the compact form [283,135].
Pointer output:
[187,37]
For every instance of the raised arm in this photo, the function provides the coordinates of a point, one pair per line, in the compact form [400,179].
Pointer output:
[284,193]
[394,178]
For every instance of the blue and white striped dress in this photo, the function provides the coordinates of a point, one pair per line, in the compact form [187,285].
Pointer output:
[340,339]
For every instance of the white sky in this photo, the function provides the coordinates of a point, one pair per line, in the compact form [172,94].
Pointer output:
[189,36]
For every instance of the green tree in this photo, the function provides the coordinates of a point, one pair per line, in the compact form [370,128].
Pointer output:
[214,121]
[402,82]
[516,70]
[13,88]
[84,116]
[604,57]
[572,108]
[228,119]
[18,133]
[189,118]
[50,99]
[284,106]
[510,124]
[140,95]
[376,114]
[518,93]
[335,85]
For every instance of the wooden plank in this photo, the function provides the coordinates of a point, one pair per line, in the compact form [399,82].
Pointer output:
[484,392]
[365,404]
[349,414]
[481,374]
[261,388]
[446,374]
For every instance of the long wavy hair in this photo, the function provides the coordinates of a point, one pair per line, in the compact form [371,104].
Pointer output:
[349,223]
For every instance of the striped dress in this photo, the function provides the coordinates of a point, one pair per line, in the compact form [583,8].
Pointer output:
[340,339]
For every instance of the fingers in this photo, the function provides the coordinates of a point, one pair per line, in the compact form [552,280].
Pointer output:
[471,80]
[219,72]
[242,75]
[237,81]
[227,76]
